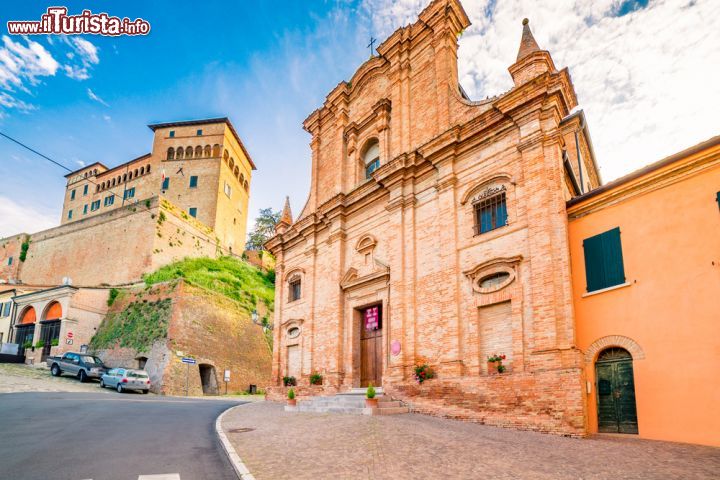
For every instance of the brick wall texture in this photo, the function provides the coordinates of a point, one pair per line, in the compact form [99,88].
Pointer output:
[203,325]
[406,237]
[114,248]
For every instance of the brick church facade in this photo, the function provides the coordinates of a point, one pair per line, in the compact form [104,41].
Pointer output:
[442,222]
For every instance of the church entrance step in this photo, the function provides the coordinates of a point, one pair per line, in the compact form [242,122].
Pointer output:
[352,402]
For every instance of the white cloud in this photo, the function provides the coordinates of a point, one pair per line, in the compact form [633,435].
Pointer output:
[107,118]
[84,52]
[94,97]
[21,64]
[24,62]
[22,218]
[647,80]
[87,50]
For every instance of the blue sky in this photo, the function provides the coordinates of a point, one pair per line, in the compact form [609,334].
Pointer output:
[643,71]
[266,71]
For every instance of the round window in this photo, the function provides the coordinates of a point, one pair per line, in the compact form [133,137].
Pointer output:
[294,332]
[493,280]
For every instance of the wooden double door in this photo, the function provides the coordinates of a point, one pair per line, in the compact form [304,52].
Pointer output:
[371,323]
[617,411]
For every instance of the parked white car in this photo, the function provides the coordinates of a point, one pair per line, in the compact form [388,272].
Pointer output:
[122,379]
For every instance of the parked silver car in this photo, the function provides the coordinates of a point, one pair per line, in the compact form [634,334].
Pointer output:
[122,379]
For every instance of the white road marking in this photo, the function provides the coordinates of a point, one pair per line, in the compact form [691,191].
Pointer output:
[163,476]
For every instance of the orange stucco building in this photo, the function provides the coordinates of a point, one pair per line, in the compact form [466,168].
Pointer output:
[664,309]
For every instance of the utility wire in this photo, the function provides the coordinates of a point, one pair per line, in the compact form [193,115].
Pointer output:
[137,202]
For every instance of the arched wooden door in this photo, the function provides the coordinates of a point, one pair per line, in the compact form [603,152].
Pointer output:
[615,386]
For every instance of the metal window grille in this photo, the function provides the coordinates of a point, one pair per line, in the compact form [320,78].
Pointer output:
[490,213]
[295,290]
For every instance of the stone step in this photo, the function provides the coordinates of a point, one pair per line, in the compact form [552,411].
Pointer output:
[391,410]
[361,391]
[352,402]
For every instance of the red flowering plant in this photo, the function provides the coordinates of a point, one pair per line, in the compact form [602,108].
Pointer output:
[423,372]
[497,361]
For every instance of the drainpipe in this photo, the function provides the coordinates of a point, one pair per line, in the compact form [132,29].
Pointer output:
[577,149]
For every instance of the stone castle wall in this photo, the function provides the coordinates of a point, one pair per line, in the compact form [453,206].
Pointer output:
[203,325]
[114,248]
[10,263]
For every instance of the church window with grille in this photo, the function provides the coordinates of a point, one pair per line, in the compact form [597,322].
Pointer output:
[295,289]
[490,213]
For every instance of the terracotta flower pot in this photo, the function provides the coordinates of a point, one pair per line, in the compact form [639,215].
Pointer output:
[492,368]
[371,402]
[292,402]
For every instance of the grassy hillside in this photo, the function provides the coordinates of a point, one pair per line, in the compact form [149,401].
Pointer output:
[227,276]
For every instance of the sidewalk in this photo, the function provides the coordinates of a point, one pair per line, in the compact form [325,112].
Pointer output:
[275,444]
[15,378]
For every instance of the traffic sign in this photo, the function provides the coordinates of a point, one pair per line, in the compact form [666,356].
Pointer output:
[189,361]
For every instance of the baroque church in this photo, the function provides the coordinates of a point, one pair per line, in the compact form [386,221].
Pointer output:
[435,233]
[441,233]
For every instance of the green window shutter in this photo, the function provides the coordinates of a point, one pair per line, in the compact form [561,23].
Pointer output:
[594,265]
[612,254]
[604,260]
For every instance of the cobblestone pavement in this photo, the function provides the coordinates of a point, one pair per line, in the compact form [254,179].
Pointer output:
[286,445]
[23,378]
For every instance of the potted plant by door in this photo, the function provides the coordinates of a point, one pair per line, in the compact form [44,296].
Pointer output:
[291,398]
[316,379]
[370,400]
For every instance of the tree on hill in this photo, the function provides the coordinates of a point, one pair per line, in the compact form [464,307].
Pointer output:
[263,230]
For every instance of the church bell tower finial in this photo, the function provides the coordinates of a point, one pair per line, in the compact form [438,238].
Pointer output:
[531,61]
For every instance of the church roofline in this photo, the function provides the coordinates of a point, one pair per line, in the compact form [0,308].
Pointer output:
[206,121]
[421,22]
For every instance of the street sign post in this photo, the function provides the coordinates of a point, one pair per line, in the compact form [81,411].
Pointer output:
[188,361]
[227,379]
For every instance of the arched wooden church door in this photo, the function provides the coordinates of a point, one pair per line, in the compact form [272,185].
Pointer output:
[617,411]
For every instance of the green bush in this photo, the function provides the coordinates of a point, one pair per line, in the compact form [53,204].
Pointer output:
[24,249]
[138,326]
[370,391]
[40,344]
[114,292]
[291,394]
[227,276]
[54,342]
[316,379]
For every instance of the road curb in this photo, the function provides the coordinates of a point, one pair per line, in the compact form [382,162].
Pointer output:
[240,469]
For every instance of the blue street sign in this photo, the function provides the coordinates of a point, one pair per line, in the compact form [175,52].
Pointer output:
[189,361]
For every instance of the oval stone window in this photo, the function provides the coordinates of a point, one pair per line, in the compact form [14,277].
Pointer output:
[494,280]
[294,332]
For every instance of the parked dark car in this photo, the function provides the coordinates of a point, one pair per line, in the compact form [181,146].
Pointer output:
[81,365]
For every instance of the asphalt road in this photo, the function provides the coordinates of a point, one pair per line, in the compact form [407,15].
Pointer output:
[79,436]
